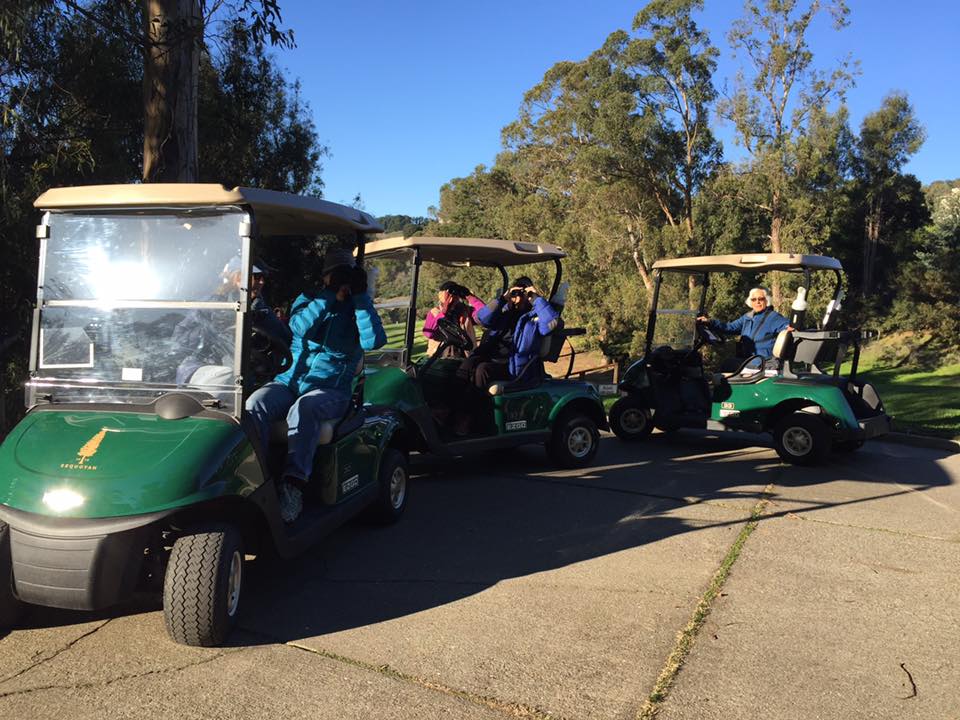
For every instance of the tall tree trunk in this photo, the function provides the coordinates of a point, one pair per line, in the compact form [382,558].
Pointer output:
[636,246]
[170,83]
[776,225]
[870,245]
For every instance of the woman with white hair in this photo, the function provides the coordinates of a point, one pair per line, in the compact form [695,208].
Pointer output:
[758,329]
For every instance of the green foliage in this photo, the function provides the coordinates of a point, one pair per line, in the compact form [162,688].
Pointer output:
[73,116]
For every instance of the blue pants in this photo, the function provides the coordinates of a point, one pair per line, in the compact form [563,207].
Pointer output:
[305,415]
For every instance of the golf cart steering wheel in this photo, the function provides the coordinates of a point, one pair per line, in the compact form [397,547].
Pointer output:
[449,332]
[270,354]
[706,336]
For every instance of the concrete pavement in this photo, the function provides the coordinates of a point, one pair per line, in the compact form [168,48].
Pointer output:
[508,590]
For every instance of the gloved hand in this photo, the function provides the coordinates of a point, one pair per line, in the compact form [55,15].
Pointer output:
[358,280]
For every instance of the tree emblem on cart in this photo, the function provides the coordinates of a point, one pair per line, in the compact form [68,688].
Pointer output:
[90,447]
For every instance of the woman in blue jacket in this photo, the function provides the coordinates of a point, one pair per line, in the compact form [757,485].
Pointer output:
[758,329]
[515,323]
[331,330]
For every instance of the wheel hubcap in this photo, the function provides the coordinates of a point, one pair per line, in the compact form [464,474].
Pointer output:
[233,583]
[579,442]
[398,487]
[633,420]
[797,441]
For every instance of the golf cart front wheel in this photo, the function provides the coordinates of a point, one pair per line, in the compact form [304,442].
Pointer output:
[392,488]
[801,439]
[630,420]
[201,588]
[10,606]
[575,441]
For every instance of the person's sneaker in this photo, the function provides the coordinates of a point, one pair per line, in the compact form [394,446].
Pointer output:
[291,502]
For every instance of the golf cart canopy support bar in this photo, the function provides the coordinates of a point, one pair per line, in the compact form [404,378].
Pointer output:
[276,213]
[756,262]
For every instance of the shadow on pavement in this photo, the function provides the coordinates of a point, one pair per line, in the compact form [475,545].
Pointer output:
[476,521]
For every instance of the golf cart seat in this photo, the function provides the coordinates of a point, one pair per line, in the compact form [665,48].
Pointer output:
[745,368]
[550,348]
[332,430]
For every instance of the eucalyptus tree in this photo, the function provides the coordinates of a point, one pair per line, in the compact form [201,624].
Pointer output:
[170,41]
[888,137]
[632,122]
[776,98]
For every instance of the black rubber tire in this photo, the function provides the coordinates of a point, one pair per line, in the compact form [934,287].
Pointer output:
[559,446]
[10,607]
[639,419]
[196,598]
[390,504]
[807,431]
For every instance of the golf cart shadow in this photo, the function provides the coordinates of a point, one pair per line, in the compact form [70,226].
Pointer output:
[484,521]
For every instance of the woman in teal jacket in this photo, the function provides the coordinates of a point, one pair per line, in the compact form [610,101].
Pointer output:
[331,331]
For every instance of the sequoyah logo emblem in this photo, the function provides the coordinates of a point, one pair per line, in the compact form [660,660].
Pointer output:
[86,452]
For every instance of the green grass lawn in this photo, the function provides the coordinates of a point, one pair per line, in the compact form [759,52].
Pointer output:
[926,401]
[395,338]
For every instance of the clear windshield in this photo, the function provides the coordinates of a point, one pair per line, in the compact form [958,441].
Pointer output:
[391,297]
[677,310]
[135,305]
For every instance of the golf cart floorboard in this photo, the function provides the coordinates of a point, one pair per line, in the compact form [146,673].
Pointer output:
[478,444]
[318,520]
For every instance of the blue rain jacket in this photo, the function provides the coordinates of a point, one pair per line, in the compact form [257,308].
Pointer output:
[329,338]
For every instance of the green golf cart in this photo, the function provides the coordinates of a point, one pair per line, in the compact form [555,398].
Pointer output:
[136,465]
[563,414]
[800,397]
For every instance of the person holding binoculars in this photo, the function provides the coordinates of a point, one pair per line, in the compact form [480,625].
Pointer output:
[514,322]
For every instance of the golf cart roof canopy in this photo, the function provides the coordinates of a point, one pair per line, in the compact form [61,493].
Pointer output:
[276,213]
[755,262]
[468,251]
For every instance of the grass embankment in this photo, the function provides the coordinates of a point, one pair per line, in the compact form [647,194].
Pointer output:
[921,401]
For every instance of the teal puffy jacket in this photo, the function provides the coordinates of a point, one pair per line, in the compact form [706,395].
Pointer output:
[329,338]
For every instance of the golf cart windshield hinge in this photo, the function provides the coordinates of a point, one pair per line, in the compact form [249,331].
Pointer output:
[246,228]
[43,232]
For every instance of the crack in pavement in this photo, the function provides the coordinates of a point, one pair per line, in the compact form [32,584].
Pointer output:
[119,678]
[511,709]
[688,634]
[853,526]
[56,653]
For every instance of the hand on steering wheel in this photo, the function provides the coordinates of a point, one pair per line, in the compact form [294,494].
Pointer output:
[271,354]
[706,336]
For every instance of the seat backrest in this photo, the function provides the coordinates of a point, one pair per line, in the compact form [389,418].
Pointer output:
[783,346]
[809,350]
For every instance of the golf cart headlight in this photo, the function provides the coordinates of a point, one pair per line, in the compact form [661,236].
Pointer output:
[62,499]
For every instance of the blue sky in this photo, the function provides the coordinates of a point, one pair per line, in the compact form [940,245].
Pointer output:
[408,95]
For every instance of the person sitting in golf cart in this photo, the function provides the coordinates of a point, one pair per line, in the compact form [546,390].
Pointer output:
[456,302]
[758,329]
[510,348]
[331,330]
[210,339]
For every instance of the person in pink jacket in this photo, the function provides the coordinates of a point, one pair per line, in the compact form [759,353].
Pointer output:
[452,299]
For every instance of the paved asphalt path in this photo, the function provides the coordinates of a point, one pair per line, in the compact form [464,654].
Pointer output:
[508,590]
